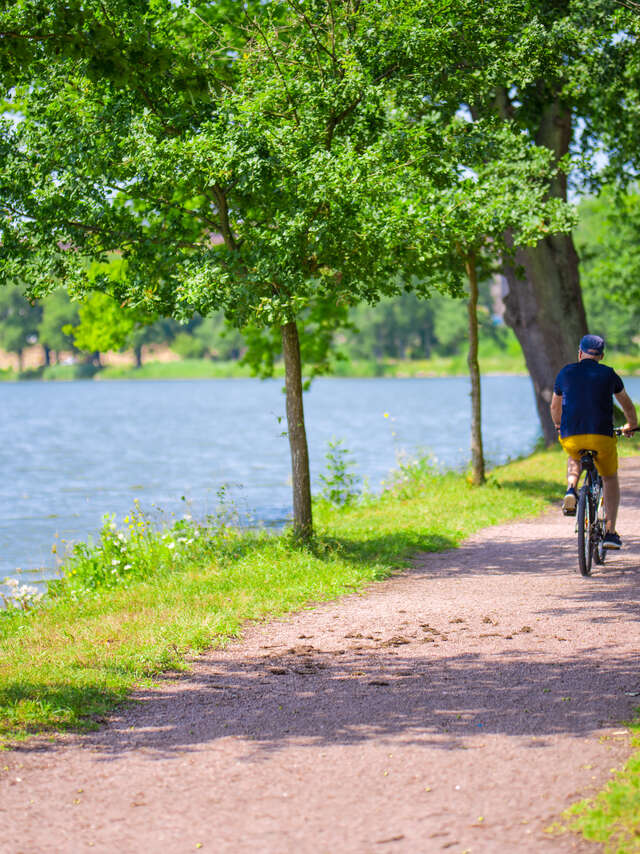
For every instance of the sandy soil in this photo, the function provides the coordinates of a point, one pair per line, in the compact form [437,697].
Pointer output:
[460,706]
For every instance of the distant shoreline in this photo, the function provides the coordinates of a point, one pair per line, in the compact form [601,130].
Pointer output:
[190,369]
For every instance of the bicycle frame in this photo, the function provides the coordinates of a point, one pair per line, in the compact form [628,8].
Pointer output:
[590,522]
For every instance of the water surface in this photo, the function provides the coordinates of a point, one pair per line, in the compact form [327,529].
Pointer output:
[71,452]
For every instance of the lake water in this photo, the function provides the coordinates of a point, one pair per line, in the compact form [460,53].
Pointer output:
[71,452]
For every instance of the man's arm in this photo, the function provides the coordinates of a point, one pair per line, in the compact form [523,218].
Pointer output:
[556,408]
[629,410]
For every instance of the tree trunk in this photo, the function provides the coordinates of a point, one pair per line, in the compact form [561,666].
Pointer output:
[545,310]
[544,304]
[302,519]
[477,453]
[47,355]
[137,351]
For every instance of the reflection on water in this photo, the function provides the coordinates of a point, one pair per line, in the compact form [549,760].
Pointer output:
[70,452]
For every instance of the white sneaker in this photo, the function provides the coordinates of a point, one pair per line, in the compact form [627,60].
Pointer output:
[569,502]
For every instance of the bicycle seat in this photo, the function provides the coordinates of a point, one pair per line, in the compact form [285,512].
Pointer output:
[587,457]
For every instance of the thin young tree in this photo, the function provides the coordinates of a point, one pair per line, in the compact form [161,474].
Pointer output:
[253,164]
[502,192]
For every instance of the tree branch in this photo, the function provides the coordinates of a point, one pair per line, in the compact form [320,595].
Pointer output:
[33,38]
[254,23]
[629,4]
[311,28]
[225,227]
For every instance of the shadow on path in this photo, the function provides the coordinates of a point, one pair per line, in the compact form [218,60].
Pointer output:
[337,698]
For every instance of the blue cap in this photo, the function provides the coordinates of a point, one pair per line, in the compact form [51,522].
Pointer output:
[593,345]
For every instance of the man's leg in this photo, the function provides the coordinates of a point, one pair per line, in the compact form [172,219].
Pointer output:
[611,500]
[573,472]
[570,500]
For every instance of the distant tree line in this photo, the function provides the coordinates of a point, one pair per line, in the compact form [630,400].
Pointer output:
[402,327]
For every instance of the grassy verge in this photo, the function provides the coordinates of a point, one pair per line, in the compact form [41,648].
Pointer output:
[193,369]
[437,366]
[140,601]
[612,818]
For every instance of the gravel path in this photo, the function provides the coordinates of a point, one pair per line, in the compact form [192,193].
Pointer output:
[460,706]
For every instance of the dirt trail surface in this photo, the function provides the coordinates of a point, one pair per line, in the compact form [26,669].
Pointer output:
[460,706]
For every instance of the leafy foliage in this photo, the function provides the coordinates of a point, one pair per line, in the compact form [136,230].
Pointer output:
[103,325]
[58,311]
[140,550]
[340,481]
[19,320]
[608,240]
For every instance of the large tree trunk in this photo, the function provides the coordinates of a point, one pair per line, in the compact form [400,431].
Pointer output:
[544,304]
[302,519]
[545,310]
[477,453]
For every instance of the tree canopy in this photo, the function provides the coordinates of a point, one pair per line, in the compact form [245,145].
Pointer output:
[270,161]
[608,242]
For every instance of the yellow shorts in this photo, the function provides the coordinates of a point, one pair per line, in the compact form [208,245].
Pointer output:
[606,446]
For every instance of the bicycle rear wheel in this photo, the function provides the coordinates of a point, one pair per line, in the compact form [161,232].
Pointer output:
[584,519]
[599,552]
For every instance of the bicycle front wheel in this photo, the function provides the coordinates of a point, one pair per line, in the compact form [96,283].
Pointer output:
[584,519]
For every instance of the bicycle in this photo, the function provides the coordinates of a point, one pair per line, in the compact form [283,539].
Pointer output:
[590,521]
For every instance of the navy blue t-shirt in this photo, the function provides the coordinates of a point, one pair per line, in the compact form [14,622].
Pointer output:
[587,388]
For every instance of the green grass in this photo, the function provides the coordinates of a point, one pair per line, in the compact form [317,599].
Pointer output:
[612,818]
[63,373]
[183,369]
[625,365]
[138,602]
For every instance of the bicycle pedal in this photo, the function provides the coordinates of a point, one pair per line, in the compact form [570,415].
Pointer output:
[568,512]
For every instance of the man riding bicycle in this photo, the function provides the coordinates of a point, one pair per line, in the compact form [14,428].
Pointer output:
[582,410]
